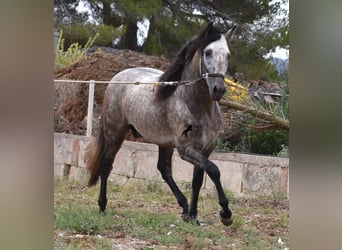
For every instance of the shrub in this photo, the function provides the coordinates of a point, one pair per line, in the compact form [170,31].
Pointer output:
[73,53]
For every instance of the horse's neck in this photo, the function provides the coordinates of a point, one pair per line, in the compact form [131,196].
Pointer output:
[198,90]
[195,95]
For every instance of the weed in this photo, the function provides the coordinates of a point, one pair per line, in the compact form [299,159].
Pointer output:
[284,220]
[230,195]
[237,223]
[154,186]
[73,53]
[284,152]
[82,219]
[278,196]
[221,146]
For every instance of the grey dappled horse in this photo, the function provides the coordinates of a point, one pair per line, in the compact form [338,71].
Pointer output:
[186,117]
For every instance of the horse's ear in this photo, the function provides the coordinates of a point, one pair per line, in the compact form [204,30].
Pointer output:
[231,32]
[208,29]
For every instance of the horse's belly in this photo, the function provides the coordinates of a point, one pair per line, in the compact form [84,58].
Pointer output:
[155,133]
[147,118]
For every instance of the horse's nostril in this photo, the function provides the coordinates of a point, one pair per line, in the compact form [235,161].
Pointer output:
[215,89]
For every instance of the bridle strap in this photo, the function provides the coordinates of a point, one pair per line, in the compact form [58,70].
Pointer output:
[203,75]
[206,75]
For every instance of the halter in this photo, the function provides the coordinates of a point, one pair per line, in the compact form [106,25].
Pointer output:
[203,76]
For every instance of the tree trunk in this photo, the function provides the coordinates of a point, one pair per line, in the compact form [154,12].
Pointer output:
[151,31]
[129,40]
[108,17]
[106,14]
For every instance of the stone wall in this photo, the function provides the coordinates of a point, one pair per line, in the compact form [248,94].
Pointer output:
[242,174]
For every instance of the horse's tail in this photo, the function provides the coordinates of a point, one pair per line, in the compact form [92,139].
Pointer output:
[94,154]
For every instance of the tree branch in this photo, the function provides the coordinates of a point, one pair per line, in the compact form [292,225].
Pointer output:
[276,120]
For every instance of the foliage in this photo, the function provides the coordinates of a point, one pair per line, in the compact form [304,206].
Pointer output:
[80,34]
[236,91]
[267,142]
[259,135]
[73,53]
[174,22]
[262,141]
[248,59]
[221,145]
[167,35]
[153,47]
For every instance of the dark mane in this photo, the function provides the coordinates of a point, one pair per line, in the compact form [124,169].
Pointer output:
[174,72]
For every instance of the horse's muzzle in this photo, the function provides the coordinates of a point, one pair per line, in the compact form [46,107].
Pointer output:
[218,91]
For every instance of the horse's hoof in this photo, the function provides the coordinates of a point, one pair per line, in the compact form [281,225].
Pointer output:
[190,219]
[186,217]
[226,221]
[102,212]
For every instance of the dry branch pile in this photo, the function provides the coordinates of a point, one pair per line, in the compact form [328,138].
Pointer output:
[71,99]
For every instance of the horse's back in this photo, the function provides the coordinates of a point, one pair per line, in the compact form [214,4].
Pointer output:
[117,93]
[139,74]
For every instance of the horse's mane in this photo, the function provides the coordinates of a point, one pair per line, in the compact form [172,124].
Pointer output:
[174,72]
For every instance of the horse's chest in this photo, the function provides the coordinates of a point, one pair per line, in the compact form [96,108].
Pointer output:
[204,130]
[210,131]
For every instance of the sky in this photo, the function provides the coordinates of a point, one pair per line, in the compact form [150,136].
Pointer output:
[280,53]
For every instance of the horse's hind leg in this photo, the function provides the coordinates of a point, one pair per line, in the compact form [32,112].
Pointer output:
[165,168]
[106,165]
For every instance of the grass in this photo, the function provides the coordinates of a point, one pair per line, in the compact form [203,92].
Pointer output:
[145,216]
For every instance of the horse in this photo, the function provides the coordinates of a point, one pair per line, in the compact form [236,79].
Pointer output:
[183,116]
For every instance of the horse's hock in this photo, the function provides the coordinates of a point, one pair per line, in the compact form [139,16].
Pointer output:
[242,174]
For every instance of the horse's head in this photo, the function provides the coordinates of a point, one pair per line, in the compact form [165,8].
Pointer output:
[207,54]
[214,62]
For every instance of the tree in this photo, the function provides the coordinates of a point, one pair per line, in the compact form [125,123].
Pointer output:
[172,22]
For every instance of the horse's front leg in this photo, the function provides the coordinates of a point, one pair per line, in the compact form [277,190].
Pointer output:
[194,156]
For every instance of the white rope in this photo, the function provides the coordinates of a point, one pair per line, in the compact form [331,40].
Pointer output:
[174,83]
[122,82]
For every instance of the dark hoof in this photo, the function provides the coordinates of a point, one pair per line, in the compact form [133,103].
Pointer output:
[190,219]
[226,221]
[186,217]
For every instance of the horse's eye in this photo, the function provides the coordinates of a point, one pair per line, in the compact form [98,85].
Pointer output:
[208,53]
[229,56]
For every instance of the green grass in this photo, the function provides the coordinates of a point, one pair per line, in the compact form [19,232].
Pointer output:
[149,214]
